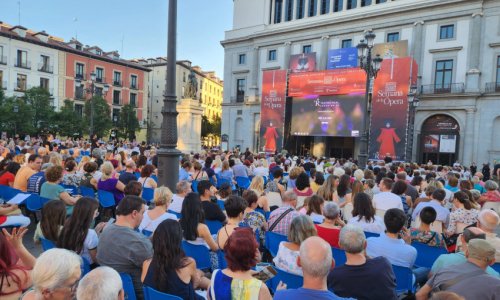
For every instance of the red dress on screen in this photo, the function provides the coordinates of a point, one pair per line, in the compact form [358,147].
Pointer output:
[386,139]
[271,135]
[330,235]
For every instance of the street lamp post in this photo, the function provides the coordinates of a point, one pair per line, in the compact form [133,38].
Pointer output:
[413,102]
[91,90]
[371,66]
[168,155]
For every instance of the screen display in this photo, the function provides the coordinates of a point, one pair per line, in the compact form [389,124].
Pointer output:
[336,115]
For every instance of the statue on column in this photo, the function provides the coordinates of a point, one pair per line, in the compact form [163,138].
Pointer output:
[191,88]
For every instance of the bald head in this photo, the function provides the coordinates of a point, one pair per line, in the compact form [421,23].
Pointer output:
[315,257]
[488,220]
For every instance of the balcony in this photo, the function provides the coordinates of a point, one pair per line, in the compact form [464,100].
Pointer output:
[492,87]
[3,60]
[134,86]
[21,88]
[239,99]
[117,101]
[79,94]
[80,76]
[46,68]
[100,80]
[22,64]
[117,82]
[451,88]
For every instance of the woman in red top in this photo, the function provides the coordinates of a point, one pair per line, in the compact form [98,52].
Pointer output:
[8,173]
[329,230]
[492,194]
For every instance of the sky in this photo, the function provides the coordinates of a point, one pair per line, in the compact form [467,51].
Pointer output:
[142,25]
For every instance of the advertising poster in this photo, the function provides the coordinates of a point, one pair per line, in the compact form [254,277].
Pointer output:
[431,143]
[390,108]
[324,83]
[305,62]
[336,115]
[391,50]
[272,110]
[447,143]
[342,58]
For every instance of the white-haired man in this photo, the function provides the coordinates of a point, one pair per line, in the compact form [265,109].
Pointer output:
[102,283]
[488,221]
[182,188]
[316,261]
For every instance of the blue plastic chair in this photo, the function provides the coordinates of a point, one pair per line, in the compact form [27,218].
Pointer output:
[178,215]
[155,178]
[273,241]
[194,186]
[87,192]
[7,193]
[427,255]
[292,281]
[128,286]
[371,234]
[137,175]
[213,225]
[34,203]
[147,233]
[152,294]
[404,279]
[148,194]
[106,199]
[222,259]
[221,204]
[339,256]
[243,182]
[199,253]
[47,244]
[221,180]
[71,189]
[496,267]
[85,267]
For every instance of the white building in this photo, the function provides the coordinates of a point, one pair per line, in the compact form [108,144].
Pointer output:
[456,44]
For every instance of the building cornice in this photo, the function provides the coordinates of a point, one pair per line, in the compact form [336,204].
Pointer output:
[449,49]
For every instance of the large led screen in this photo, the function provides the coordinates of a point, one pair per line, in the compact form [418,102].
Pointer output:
[336,115]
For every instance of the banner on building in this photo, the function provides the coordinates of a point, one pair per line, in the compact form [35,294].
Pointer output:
[342,58]
[272,110]
[325,83]
[305,62]
[391,50]
[390,108]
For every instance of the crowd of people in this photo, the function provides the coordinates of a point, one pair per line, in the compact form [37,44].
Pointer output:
[373,215]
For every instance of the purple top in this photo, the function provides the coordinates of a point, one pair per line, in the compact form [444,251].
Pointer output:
[109,185]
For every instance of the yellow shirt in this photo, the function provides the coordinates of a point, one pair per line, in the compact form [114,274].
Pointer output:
[22,176]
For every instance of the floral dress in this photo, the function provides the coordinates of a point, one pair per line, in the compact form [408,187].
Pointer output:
[256,220]
[430,238]
[286,260]
[462,215]
[73,179]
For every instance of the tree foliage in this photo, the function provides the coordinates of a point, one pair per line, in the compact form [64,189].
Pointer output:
[127,124]
[102,116]
[210,127]
[67,121]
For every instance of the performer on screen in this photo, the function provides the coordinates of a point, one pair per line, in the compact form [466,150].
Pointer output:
[386,139]
[270,136]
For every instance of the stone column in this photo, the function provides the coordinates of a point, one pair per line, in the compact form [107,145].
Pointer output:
[273,7]
[358,5]
[255,75]
[473,74]
[324,52]
[294,10]
[344,5]
[288,51]
[468,138]
[283,11]
[416,50]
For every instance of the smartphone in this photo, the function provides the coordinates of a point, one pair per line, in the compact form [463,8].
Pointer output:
[266,273]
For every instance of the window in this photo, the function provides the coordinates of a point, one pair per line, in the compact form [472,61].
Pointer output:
[184,77]
[1,80]
[79,109]
[116,98]
[338,5]
[347,43]
[133,99]
[116,115]
[117,78]
[325,7]
[271,55]
[79,71]
[98,91]
[444,75]
[78,47]
[44,64]
[289,10]
[446,32]
[498,72]
[393,37]
[21,82]
[3,59]
[242,58]
[240,90]
[44,83]
[133,81]
[278,9]
[306,49]
[366,3]
[22,59]
[351,4]
[99,74]
[381,1]
[313,4]
[301,7]
[79,92]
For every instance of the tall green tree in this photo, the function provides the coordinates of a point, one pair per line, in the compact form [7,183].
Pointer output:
[102,116]
[128,124]
[40,110]
[67,121]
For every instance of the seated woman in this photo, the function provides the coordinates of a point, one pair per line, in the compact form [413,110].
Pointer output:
[224,191]
[329,230]
[275,185]
[236,281]
[10,215]
[52,222]
[146,180]
[193,229]
[72,176]
[301,228]
[198,173]
[109,183]
[328,191]
[15,264]
[152,218]
[317,182]
[257,185]
[55,275]
[252,218]
[492,194]
[77,235]
[363,215]
[399,188]
[51,189]
[88,179]
[344,190]
[314,208]
[424,234]
[302,188]
[170,270]
[463,213]
[235,207]
[133,188]
[8,171]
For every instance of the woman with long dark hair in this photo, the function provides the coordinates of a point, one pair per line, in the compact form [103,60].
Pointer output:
[344,189]
[193,228]
[77,235]
[52,222]
[363,214]
[170,270]
[464,214]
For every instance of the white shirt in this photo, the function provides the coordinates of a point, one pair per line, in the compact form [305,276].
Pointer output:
[90,243]
[261,171]
[376,226]
[176,204]
[386,201]
[151,225]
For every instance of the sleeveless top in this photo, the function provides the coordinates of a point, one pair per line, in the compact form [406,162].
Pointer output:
[109,185]
[228,288]
[172,285]
[405,205]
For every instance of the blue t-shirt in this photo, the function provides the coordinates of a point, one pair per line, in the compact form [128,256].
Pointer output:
[35,183]
[302,293]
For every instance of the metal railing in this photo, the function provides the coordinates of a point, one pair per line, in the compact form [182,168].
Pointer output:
[117,82]
[22,64]
[80,76]
[239,99]
[492,87]
[100,79]
[450,88]
[45,68]
[134,86]
[3,60]
[79,94]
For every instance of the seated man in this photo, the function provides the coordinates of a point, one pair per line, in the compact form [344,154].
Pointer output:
[281,218]
[182,188]
[376,273]
[437,202]
[212,211]
[316,261]
[469,279]
[101,283]
[123,248]
[450,259]
[386,200]
[488,221]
